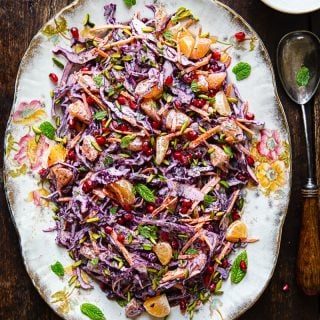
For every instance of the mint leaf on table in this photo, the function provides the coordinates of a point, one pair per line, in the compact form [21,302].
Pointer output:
[130,3]
[242,70]
[237,274]
[303,76]
[92,311]
[145,192]
[47,129]
[58,269]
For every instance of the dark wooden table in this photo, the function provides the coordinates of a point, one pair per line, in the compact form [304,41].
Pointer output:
[19,21]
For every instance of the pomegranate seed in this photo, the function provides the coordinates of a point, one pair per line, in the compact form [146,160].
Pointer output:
[150,208]
[250,161]
[144,20]
[187,203]
[243,265]
[212,287]
[206,280]
[128,217]
[184,210]
[210,269]
[191,135]
[87,186]
[198,103]
[216,55]
[123,127]
[108,230]
[133,105]
[120,220]
[90,100]
[215,67]
[174,244]
[249,116]
[146,146]
[72,155]
[104,122]
[127,207]
[43,173]
[177,155]
[197,155]
[235,216]
[164,236]
[120,238]
[75,33]
[285,288]
[189,77]
[101,140]
[53,77]
[149,152]
[177,103]
[155,124]
[240,36]
[169,81]
[183,305]
[122,100]
[184,160]
[212,92]
[84,69]
[225,263]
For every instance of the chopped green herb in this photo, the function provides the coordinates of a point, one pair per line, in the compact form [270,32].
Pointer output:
[48,130]
[126,140]
[194,86]
[130,3]
[192,251]
[58,269]
[303,76]
[98,80]
[108,161]
[122,303]
[92,311]
[113,210]
[58,63]
[100,115]
[168,35]
[208,200]
[148,232]
[237,274]
[94,261]
[242,70]
[145,192]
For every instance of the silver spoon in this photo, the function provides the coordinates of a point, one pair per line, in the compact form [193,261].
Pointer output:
[296,50]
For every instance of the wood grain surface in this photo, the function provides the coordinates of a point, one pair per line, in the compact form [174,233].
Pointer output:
[19,22]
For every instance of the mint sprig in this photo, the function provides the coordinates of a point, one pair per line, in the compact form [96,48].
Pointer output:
[58,269]
[92,311]
[242,70]
[145,192]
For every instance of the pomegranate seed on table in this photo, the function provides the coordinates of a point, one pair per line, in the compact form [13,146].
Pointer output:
[250,161]
[122,100]
[243,265]
[191,135]
[108,230]
[53,77]
[133,105]
[240,36]
[150,208]
[72,155]
[285,288]
[169,81]
[101,140]
[120,238]
[249,116]
[216,55]
[75,33]
[198,102]
[235,216]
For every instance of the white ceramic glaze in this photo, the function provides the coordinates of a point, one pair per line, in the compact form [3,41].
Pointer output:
[293,6]
[264,211]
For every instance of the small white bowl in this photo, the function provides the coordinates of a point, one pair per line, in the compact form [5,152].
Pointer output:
[293,6]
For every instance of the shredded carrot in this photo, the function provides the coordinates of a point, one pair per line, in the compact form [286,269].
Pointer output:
[87,91]
[204,136]
[243,127]
[200,111]
[191,241]
[228,90]
[101,53]
[197,65]
[122,42]
[122,248]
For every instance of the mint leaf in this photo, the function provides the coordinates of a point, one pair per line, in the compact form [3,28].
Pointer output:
[236,273]
[108,161]
[122,303]
[148,232]
[92,311]
[130,3]
[242,70]
[126,140]
[145,192]
[303,76]
[113,210]
[208,200]
[192,251]
[98,80]
[100,115]
[47,129]
[58,269]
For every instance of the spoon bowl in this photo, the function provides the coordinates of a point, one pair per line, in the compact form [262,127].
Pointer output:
[295,50]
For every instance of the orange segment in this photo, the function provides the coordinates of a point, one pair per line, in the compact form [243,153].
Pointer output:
[186,44]
[163,250]
[157,306]
[201,48]
[215,80]
[237,231]
[221,104]
[57,153]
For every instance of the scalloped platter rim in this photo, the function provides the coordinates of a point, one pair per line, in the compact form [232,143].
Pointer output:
[24,156]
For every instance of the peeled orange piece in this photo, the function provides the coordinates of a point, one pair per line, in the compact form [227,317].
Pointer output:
[215,80]
[157,306]
[237,231]
[201,48]
[221,104]
[57,153]
[163,250]
[186,44]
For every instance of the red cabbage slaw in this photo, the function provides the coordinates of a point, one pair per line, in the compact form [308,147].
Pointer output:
[158,144]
